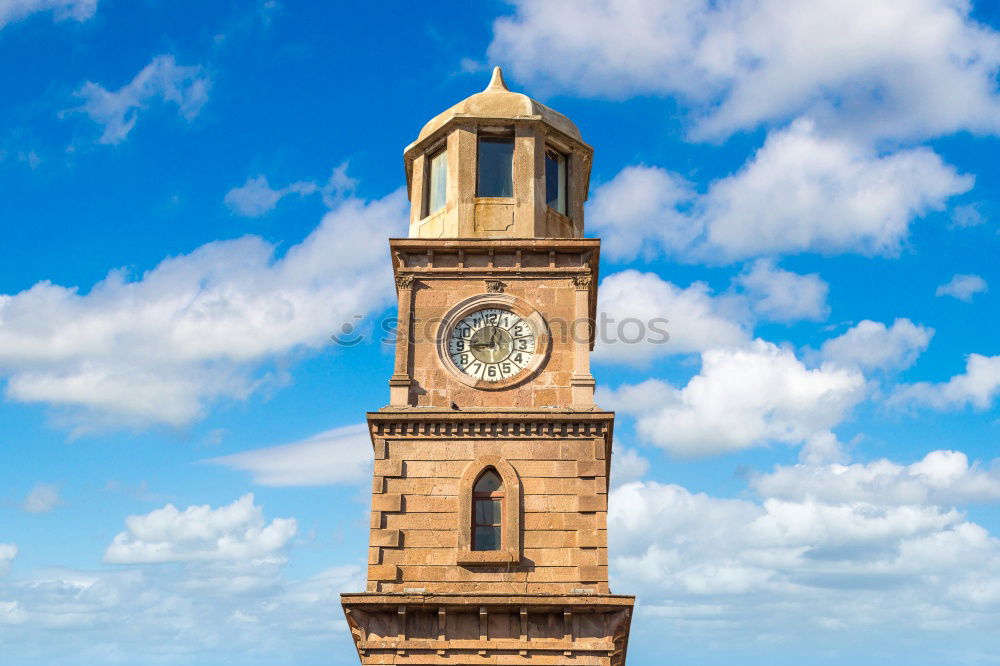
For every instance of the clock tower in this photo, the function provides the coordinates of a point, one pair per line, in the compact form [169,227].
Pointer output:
[489,496]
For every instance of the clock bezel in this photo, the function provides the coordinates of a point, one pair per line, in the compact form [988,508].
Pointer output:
[532,317]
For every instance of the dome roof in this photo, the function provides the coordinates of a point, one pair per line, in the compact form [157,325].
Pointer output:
[497,101]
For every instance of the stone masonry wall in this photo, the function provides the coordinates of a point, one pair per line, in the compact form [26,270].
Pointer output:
[415,518]
[435,387]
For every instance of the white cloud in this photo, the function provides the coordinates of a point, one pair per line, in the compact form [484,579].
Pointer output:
[627,466]
[801,192]
[637,308]
[823,552]
[963,287]
[256,197]
[42,498]
[638,211]
[806,192]
[220,590]
[821,449]
[740,399]
[340,455]
[643,316]
[967,215]
[941,478]
[878,67]
[977,386]
[781,295]
[198,327]
[8,551]
[871,345]
[237,532]
[162,79]
[223,612]
[77,10]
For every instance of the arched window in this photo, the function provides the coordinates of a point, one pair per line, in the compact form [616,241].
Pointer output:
[489,514]
[487,511]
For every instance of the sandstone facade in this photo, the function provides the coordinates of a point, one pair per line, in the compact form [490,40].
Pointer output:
[534,590]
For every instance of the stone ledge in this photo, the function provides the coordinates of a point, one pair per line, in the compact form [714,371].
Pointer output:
[395,599]
[435,423]
[495,644]
[483,557]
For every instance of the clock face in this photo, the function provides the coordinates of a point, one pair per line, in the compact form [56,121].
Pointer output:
[491,344]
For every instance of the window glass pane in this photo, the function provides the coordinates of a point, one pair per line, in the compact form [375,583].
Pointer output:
[488,512]
[496,157]
[488,482]
[555,181]
[437,188]
[487,538]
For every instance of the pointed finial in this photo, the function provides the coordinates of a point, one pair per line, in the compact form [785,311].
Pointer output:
[497,82]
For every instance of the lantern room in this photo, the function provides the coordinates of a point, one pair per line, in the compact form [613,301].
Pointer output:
[498,165]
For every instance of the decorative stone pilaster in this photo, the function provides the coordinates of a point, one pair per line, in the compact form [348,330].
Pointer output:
[582,382]
[401,380]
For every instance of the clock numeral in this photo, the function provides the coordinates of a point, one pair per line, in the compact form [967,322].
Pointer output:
[492,344]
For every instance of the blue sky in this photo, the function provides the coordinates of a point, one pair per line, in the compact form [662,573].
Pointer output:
[196,196]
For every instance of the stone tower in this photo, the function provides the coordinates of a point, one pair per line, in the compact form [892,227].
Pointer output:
[489,497]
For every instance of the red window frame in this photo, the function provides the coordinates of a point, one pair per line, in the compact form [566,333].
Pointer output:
[497,494]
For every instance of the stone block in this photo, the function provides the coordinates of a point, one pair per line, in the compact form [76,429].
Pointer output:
[592,503]
[422,486]
[545,468]
[431,538]
[390,467]
[419,556]
[592,573]
[550,503]
[383,572]
[549,539]
[552,557]
[592,538]
[386,538]
[599,450]
[431,504]
[557,521]
[422,521]
[387,502]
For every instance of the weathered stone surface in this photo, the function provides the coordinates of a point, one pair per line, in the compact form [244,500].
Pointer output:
[519,628]
[542,596]
[534,128]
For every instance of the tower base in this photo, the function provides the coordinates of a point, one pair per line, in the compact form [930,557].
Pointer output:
[417,628]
